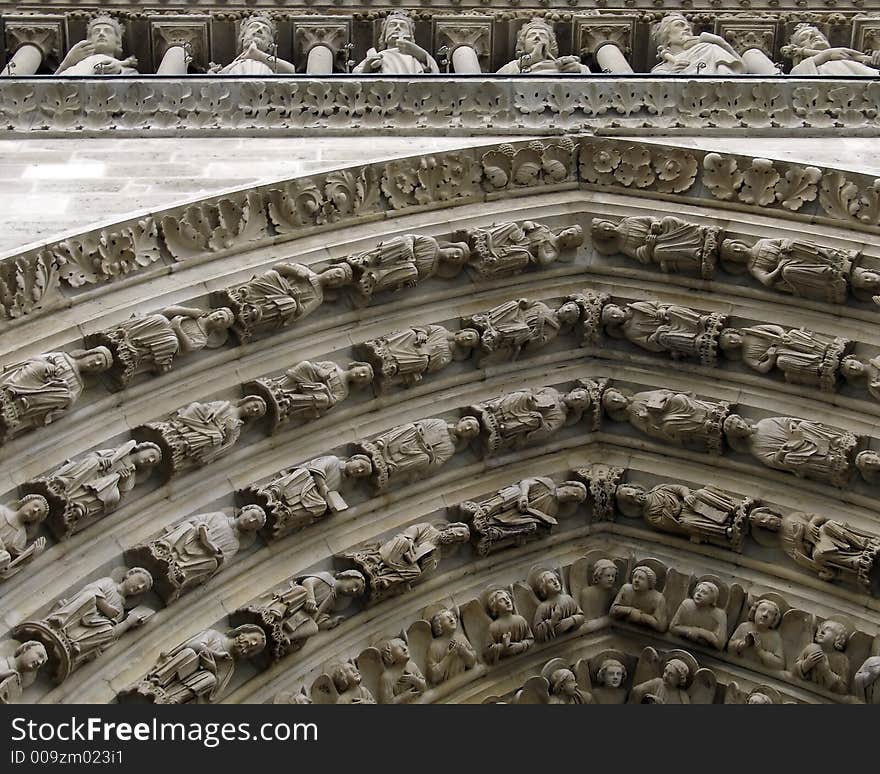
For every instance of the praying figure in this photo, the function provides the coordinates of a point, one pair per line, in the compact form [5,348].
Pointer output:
[401,681]
[683,53]
[100,53]
[449,654]
[509,633]
[558,613]
[537,52]
[639,602]
[812,54]
[396,51]
[257,50]
[759,639]
[824,661]
[16,548]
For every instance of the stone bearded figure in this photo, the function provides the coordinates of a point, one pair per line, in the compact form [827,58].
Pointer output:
[813,55]
[681,52]
[257,50]
[397,51]
[100,53]
[537,52]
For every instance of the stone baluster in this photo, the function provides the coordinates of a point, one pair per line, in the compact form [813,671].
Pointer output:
[468,38]
[607,39]
[32,39]
[320,40]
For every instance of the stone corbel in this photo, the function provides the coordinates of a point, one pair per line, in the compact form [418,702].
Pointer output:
[318,41]
[866,33]
[179,42]
[755,40]
[468,39]
[30,40]
[607,39]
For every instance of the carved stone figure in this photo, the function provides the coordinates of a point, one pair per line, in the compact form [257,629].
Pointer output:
[506,249]
[823,661]
[701,619]
[343,686]
[558,613]
[668,689]
[813,55]
[807,449]
[84,490]
[525,510]
[678,330]
[705,515]
[309,390]
[401,681]
[310,604]
[596,598]
[257,46]
[396,51]
[758,639]
[402,262]
[670,243]
[15,521]
[19,664]
[100,53]
[151,343]
[393,566]
[279,297]
[683,53]
[639,602]
[856,371]
[198,670]
[564,688]
[674,678]
[406,356]
[37,391]
[865,681]
[302,495]
[528,417]
[79,629]
[509,633]
[193,551]
[803,356]
[201,432]
[537,52]
[449,654]
[802,268]
[610,683]
[417,448]
[674,417]
[509,328]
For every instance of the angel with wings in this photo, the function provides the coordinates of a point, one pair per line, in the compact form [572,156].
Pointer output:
[674,678]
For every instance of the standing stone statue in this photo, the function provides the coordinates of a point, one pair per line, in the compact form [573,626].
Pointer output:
[397,52]
[258,50]
[19,664]
[700,618]
[16,552]
[557,613]
[857,371]
[279,297]
[416,449]
[672,244]
[802,268]
[509,633]
[402,262]
[302,495]
[803,356]
[395,565]
[507,249]
[84,490]
[192,552]
[449,654]
[520,512]
[197,670]
[799,446]
[38,391]
[407,356]
[677,330]
[759,639]
[639,602]
[812,55]
[151,343]
[79,629]
[100,53]
[201,432]
[824,660]
[683,53]
[308,390]
[310,604]
[537,52]
[706,515]
[674,417]
[401,681]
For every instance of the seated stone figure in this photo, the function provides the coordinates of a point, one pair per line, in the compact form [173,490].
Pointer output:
[812,55]
[396,51]
[824,661]
[299,496]
[15,520]
[192,552]
[151,343]
[257,46]
[537,52]
[681,52]
[700,618]
[346,681]
[558,613]
[18,668]
[100,53]
[509,633]
[198,670]
[522,511]
[401,681]
[858,371]
[639,602]
[759,639]
[38,391]
[449,654]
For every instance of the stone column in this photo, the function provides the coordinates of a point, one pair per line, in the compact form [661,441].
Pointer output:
[175,62]
[758,63]
[607,39]
[25,61]
[317,42]
[468,38]
[32,39]
[611,59]
[178,42]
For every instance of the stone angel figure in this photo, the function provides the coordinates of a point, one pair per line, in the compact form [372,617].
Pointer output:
[594,580]
[18,521]
[543,600]
[341,684]
[758,694]
[704,616]
[398,679]
[641,600]
[759,638]
[439,644]
[292,697]
[19,664]
[557,684]
[825,661]
[674,677]
[866,681]
[606,675]
[495,627]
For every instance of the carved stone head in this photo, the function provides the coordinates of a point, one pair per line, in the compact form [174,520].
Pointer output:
[644,578]
[345,676]
[832,634]
[563,682]
[809,37]
[397,25]
[569,313]
[676,673]
[630,500]
[259,30]
[33,509]
[337,276]
[467,428]
[30,656]
[454,532]
[350,583]
[735,251]
[394,651]
[571,492]
[604,231]
[604,574]
[250,518]
[95,360]
[105,34]
[146,455]
[548,584]
[868,464]
[537,39]
[613,316]
[360,374]
[570,237]
[611,674]
[499,603]
[616,403]
[251,407]
[467,338]
[706,594]
[673,31]
[358,466]
[443,622]
[738,431]
[136,581]
[730,341]
[756,697]
[248,640]
[765,614]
